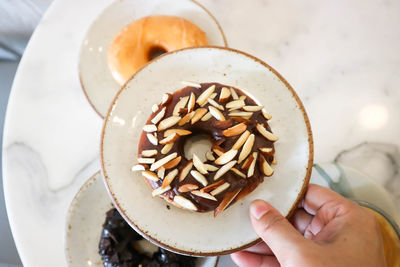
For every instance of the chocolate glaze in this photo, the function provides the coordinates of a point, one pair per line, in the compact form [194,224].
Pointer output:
[216,136]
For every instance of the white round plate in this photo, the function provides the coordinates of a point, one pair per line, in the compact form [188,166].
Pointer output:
[96,79]
[85,218]
[200,233]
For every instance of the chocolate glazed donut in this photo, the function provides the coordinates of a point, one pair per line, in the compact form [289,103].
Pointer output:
[241,155]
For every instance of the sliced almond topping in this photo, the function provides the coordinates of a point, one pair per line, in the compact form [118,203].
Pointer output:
[159,116]
[226,157]
[150,175]
[250,171]
[199,177]
[210,156]
[186,118]
[234,94]
[149,153]
[187,188]
[152,139]
[184,203]
[224,169]
[235,104]
[212,96]
[154,108]
[246,164]
[206,94]
[199,165]
[169,139]
[265,167]
[167,148]
[146,160]
[137,168]
[248,145]
[241,174]
[241,119]
[211,168]
[181,104]
[162,161]
[169,178]
[192,84]
[180,132]
[267,151]
[242,97]
[225,94]
[173,163]
[168,122]
[160,191]
[220,189]
[185,170]
[228,198]
[216,113]
[150,128]
[198,113]
[243,114]
[235,130]
[267,134]
[218,150]
[238,144]
[252,108]
[274,161]
[161,172]
[212,186]
[192,102]
[166,98]
[203,195]
[222,124]
[215,104]
[206,117]
[265,114]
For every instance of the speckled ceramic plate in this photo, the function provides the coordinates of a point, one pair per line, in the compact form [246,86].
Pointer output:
[200,233]
[85,218]
[96,80]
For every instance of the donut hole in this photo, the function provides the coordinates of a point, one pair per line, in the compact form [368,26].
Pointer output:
[197,144]
[156,51]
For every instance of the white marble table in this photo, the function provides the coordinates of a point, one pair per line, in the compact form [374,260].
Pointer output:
[341,56]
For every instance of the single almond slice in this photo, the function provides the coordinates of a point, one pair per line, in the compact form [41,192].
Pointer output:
[222,125]
[180,132]
[234,94]
[149,153]
[166,98]
[169,178]
[162,161]
[160,191]
[267,134]
[215,104]
[137,168]
[168,122]
[216,113]
[154,108]
[211,168]
[218,150]
[265,167]
[146,160]
[248,145]
[192,84]
[192,102]
[246,164]
[250,171]
[152,139]
[173,163]
[265,114]
[206,117]
[212,186]
[167,148]
[206,94]
[150,175]
[186,118]
[226,157]
[149,128]
[228,198]
[169,139]
[199,165]
[242,97]
[159,116]
[274,161]
[241,119]
[235,104]
[161,172]
[185,203]
[199,177]
[241,174]
[198,114]
[267,151]
[238,144]
[220,189]
[187,188]
[225,94]
[203,195]
[235,130]
[185,170]
[181,104]
[210,156]
[224,169]
[252,108]
[243,114]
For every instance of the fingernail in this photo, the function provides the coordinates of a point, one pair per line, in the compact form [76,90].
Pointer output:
[258,209]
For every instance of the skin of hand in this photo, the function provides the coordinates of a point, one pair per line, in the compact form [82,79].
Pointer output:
[326,230]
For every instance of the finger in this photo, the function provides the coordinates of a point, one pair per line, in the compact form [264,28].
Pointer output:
[301,220]
[260,248]
[248,259]
[274,229]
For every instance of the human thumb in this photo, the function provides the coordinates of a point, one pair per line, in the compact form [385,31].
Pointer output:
[274,229]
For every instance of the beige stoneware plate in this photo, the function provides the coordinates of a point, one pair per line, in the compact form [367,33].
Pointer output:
[85,218]
[97,82]
[200,233]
